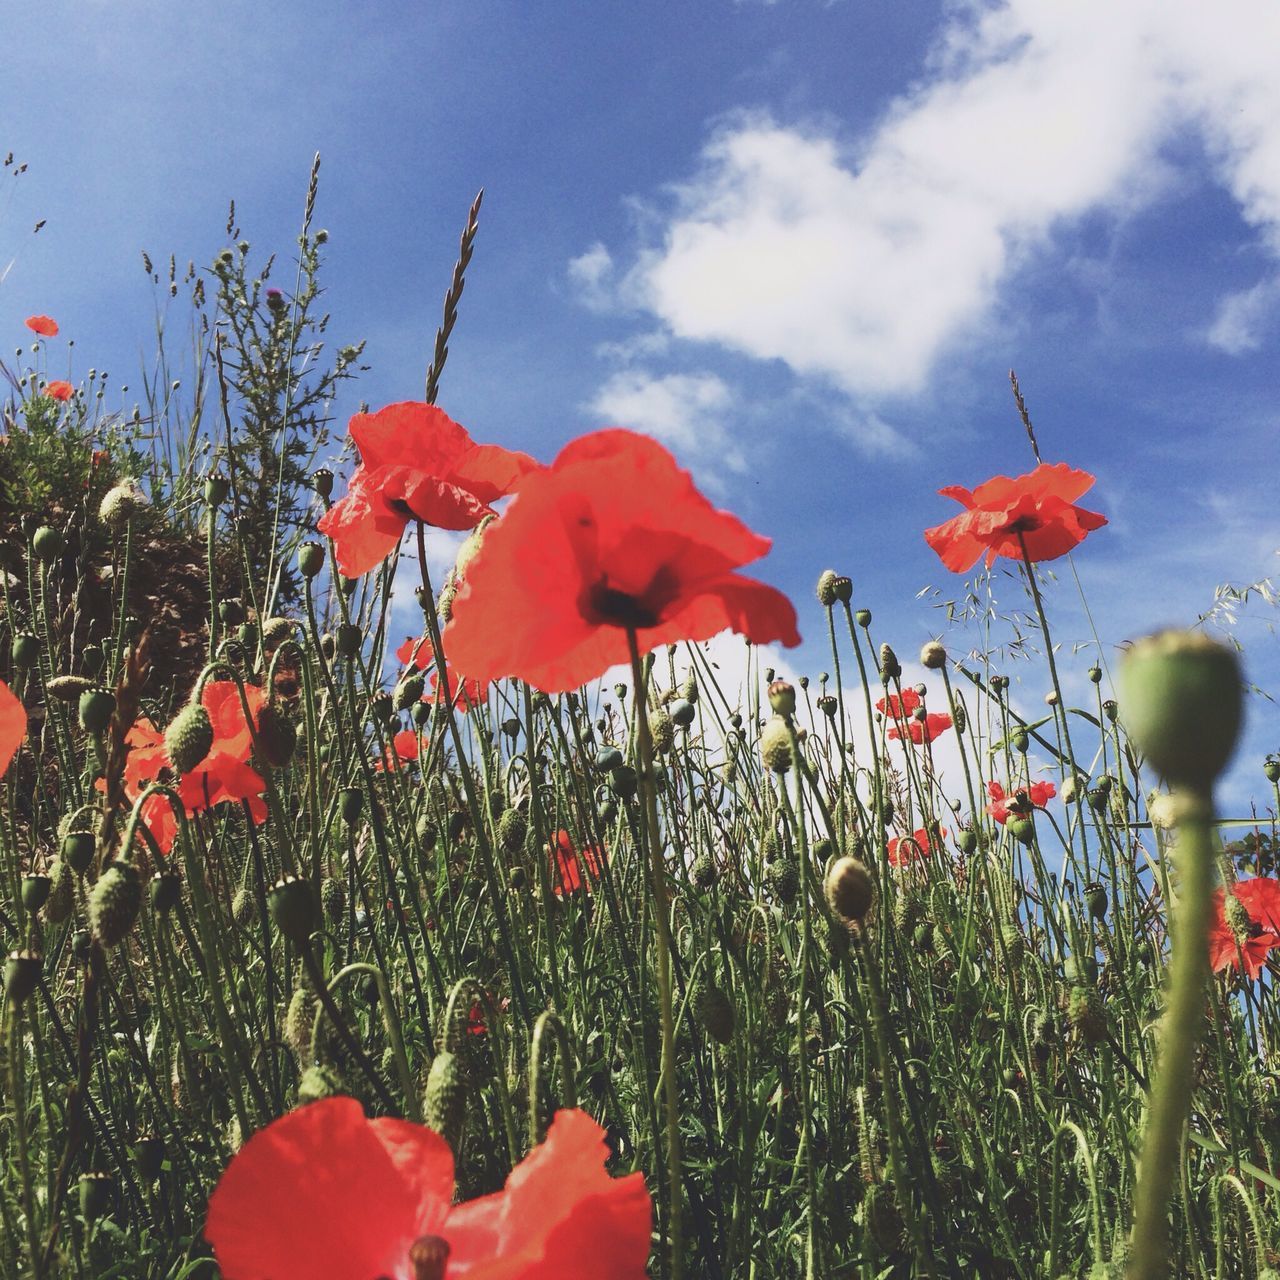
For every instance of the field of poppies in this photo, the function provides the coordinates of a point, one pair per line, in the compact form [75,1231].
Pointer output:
[529,945]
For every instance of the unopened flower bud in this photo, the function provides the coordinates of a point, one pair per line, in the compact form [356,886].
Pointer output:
[189,737]
[849,888]
[933,657]
[890,667]
[782,697]
[775,745]
[48,543]
[121,503]
[114,903]
[292,908]
[827,588]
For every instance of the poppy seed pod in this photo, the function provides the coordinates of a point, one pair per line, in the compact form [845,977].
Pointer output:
[775,745]
[322,482]
[95,1190]
[189,737]
[216,489]
[1183,697]
[782,697]
[165,891]
[21,975]
[863,618]
[292,908]
[35,891]
[97,706]
[849,888]
[347,639]
[1095,898]
[682,713]
[114,903]
[48,543]
[24,650]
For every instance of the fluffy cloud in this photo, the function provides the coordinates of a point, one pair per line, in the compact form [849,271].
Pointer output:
[859,262]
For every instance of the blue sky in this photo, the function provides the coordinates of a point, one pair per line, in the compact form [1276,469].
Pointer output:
[801,242]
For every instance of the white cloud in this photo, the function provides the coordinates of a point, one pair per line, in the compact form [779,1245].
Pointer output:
[861,262]
[1243,318]
[591,275]
[687,412]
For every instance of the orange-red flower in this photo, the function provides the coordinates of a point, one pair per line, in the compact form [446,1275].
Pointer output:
[613,536]
[920,731]
[402,750]
[467,692]
[1038,508]
[898,706]
[325,1194]
[1037,795]
[416,463]
[904,849]
[568,864]
[1260,897]
[223,775]
[45,326]
[13,726]
[59,390]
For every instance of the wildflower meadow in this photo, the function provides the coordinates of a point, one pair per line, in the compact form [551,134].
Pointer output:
[531,943]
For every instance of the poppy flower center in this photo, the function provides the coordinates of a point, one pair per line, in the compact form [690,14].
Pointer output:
[603,605]
[1024,524]
[428,1256]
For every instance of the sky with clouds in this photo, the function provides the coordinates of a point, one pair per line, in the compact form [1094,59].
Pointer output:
[800,242]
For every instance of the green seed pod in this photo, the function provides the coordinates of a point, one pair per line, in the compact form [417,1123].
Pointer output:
[1270,769]
[1183,697]
[148,1156]
[849,889]
[25,650]
[863,617]
[21,975]
[97,706]
[318,1083]
[166,891]
[1022,828]
[96,1190]
[512,829]
[48,543]
[347,640]
[444,1102]
[61,900]
[35,891]
[408,691]
[623,781]
[782,697]
[310,559]
[1095,898]
[322,477]
[715,1012]
[608,758]
[277,737]
[189,737]
[351,800]
[1020,742]
[828,705]
[966,840]
[114,903]
[682,713]
[216,489]
[843,588]
[292,908]
[428,833]
[78,849]
[1080,969]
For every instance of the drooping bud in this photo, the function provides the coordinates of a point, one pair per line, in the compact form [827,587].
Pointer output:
[189,737]
[277,736]
[408,691]
[784,881]
[445,1097]
[1183,697]
[275,631]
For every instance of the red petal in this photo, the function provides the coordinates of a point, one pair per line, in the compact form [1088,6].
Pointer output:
[491,472]
[324,1194]
[45,326]
[364,529]
[1261,898]
[560,1216]
[13,725]
[411,433]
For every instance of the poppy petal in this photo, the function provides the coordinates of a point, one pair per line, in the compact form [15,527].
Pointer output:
[13,725]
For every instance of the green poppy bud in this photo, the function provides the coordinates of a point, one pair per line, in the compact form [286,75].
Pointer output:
[189,737]
[775,746]
[347,640]
[114,903]
[715,1012]
[849,888]
[48,544]
[445,1097]
[408,691]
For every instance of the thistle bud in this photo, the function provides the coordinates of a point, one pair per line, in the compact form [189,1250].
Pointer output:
[114,903]
[1183,698]
[849,888]
[189,737]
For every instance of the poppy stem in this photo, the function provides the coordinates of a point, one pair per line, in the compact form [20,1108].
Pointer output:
[662,919]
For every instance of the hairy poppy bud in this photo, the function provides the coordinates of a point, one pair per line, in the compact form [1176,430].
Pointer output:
[317,1083]
[277,737]
[97,706]
[347,640]
[784,881]
[275,631]
[21,975]
[1086,1014]
[827,588]
[114,903]
[408,691]
[121,503]
[189,737]
[148,1156]
[704,871]
[782,697]
[933,657]
[333,899]
[849,888]
[350,801]
[68,688]
[292,908]
[445,1097]
[61,900]
[715,1012]
[890,667]
[512,829]
[661,730]
[775,745]
[1183,699]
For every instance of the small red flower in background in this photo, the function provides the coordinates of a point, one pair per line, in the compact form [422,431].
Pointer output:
[567,865]
[13,726]
[1038,795]
[1260,898]
[920,731]
[1039,506]
[59,390]
[467,692]
[415,463]
[403,749]
[45,326]
[223,775]
[903,849]
[613,536]
[898,706]
[324,1194]
[416,653]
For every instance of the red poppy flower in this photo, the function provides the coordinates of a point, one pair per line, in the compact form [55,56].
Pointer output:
[416,653]
[415,463]
[403,749]
[920,731]
[13,726]
[902,850]
[59,390]
[568,864]
[45,326]
[467,692]
[223,775]
[1039,506]
[1260,898]
[325,1194]
[898,706]
[1039,794]
[612,536]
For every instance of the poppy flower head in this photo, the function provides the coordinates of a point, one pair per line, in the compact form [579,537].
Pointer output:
[13,725]
[45,326]
[568,865]
[905,849]
[59,390]
[921,731]
[1244,937]
[1036,796]
[325,1193]
[402,750]
[613,537]
[416,463]
[1037,509]
[898,706]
